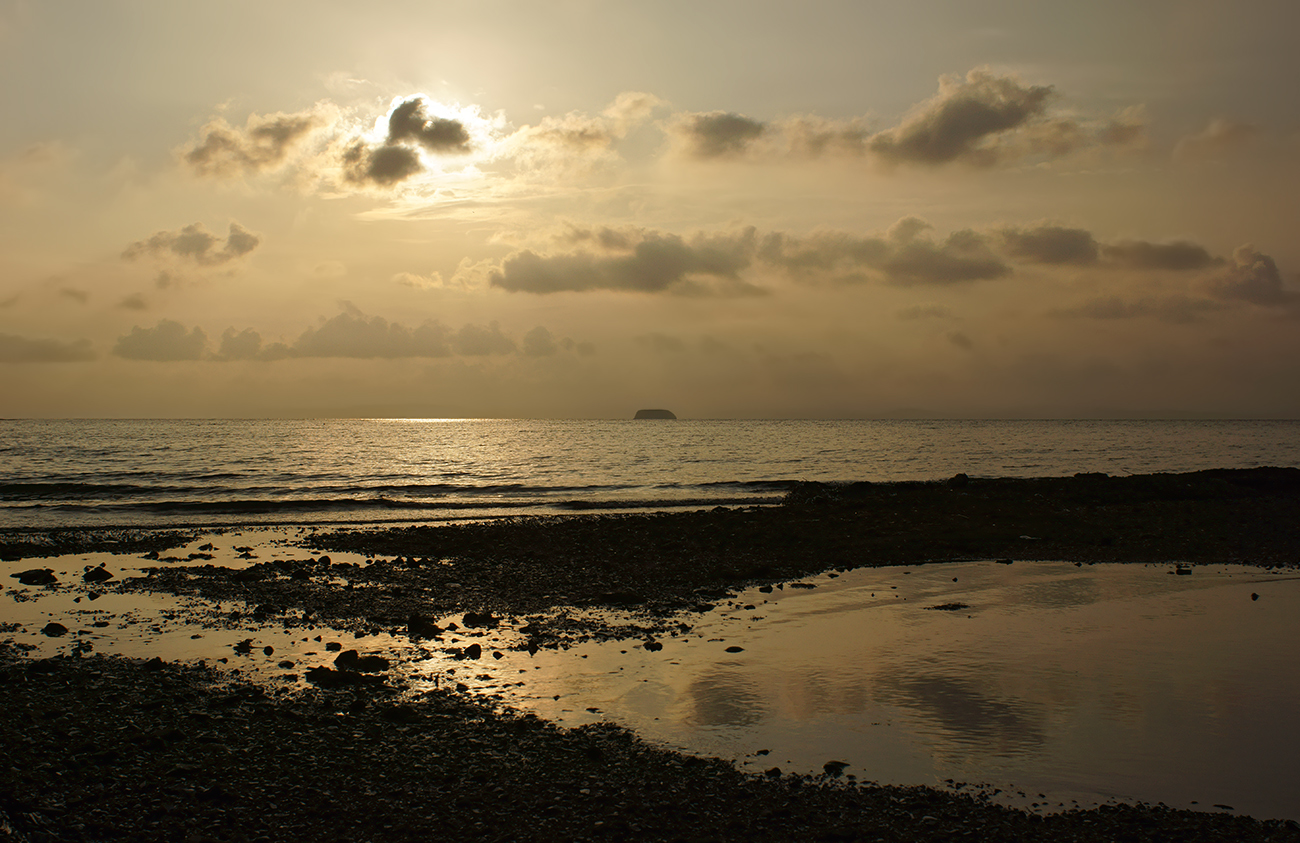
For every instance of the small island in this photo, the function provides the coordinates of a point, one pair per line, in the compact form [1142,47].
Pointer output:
[655,414]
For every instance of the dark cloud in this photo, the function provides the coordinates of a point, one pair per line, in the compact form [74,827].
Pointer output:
[135,301]
[353,334]
[1254,278]
[717,134]
[409,122]
[1140,254]
[410,128]
[645,262]
[263,143]
[1051,244]
[195,243]
[1173,309]
[963,256]
[166,341]
[79,296]
[244,345]
[381,165]
[539,342]
[824,252]
[16,349]
[958,123]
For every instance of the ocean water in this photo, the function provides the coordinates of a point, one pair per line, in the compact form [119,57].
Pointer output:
[220,472]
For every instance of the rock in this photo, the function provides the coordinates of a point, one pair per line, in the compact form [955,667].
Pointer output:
[834,768]
[326,678]
[653,646]
[475,619]
[735,649]
[155,663]
[286,664]
[1254,596]
[959,479]
[351,660]
[473,651]
[333,647]
[99,574]
[1183,571]
[418,626]
[36,576]
[244,647]
[54,629]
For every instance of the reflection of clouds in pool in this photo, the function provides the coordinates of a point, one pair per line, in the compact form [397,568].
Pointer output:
[804,694]
[724,698]
[966,713]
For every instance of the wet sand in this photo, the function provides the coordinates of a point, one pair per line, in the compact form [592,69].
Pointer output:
[115,745]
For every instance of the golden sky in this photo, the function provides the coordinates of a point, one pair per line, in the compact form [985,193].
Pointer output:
[582,208]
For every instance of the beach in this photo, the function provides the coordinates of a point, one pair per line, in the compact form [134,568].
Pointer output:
[112,748]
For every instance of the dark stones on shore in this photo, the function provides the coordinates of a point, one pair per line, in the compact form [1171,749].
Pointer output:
[36,576]
[97,575]
[352,660]
[54,629]
[947,607]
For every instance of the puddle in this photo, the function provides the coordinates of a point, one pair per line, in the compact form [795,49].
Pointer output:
[1051,684]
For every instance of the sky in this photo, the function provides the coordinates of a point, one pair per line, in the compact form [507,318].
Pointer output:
[582,208]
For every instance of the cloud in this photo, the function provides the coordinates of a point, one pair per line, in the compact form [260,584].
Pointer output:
[79,296]
[716,134]
[353,334]
[962,256]
[264,143]
[409,121]
[410,128]
[479,341]
[1173,309]
[166,341]
[634,261]
[382,165]
[1254,278]
[1177,256]
[960,122]
[16,349]
[628,110]
[1051,245]
[135,301]
[539,342]
[1218,139]
[197,244]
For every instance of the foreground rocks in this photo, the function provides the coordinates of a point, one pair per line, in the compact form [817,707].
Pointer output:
[658,566]
[109,749]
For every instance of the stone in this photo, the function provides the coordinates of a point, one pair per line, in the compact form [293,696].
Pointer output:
[351,660]
[36,576]
[54,629]
[473,651]
[418,626]
[735,649]
[99,574]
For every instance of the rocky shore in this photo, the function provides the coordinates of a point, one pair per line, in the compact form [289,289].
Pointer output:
[114,749]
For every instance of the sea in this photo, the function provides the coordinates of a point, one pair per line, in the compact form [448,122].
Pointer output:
[222,472]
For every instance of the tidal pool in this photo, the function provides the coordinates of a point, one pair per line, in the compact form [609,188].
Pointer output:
[1058,684]
[1049,684]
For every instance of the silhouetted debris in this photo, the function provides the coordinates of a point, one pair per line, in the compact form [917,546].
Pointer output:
[36,576]
[104,749]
